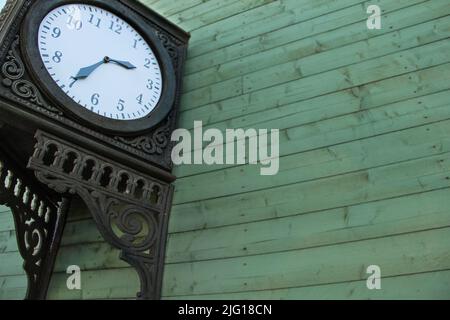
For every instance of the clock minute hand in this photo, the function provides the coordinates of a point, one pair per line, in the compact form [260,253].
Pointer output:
[85,72]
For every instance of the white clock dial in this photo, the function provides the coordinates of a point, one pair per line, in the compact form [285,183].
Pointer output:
[100,61]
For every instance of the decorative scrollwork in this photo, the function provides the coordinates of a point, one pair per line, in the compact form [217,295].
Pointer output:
[13,71]
[38,221]
[154,143]
[130,209]
[6,11]
[168,44]
[154,148]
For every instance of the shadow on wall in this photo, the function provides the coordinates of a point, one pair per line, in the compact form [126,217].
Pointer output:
[84,248]
[102,274]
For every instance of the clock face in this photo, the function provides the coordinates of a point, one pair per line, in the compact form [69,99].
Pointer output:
[100,61]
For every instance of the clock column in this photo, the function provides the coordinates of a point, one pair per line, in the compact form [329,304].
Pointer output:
[120,169]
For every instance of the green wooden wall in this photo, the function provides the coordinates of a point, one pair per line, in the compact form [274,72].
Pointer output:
[364,119]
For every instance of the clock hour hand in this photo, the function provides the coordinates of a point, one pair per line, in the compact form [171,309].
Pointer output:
[124,64]
[85,72]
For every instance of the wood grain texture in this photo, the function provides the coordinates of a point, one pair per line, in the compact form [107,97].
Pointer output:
[364,120]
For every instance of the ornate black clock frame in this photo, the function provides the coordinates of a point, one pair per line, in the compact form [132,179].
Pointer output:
[49,152]
[34,63]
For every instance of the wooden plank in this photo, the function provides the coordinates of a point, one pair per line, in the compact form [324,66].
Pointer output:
[168,8]
[353,188]
[418,35]
[239,113]
[102,284]
[290,12]
[6,221]
[96,256]
[338,145]
[11,264]
[4,209]
[78,211]
[407,214]
[338,79]
[226,13]
[92,256]
[196,16]
[428,286]
[81,232]
[13,288]
[400,255]
[8,242]
[321,44]
[279,11]
[381,218]
[299,31]
[310,113]
[377,219]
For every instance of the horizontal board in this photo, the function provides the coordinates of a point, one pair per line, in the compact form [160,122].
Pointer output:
[81,232]
[369,220]
[309,87]
[309,114]
[87,256]
[417,35]
[222,11]
[280,37]
[290,12]
[8,241]
[197,16]
[428,286]
[400,255]
[6,221]
[332,154]
[267,114]
[4,209]
[99,255]
[168,8]
[332,49]
[376,219]
[13,287]
[353,188]
[11,264]
[104,284]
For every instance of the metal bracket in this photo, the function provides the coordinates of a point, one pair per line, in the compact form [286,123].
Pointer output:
[129,208]
[39,222]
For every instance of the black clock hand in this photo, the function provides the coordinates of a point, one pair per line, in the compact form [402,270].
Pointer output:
[85,72]
[124,64]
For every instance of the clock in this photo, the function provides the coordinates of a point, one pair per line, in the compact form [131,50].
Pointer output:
[100,66]
[119,78]
[89,98]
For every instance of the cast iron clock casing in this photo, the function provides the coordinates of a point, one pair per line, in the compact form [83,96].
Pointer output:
[121,170]
[29,34]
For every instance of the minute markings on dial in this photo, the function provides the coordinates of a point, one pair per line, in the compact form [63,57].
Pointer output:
[115,83]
